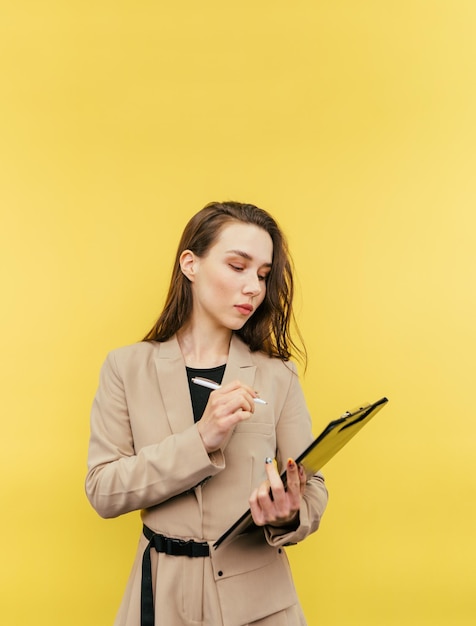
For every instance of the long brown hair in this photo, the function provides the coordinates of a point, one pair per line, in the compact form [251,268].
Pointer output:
[268,329]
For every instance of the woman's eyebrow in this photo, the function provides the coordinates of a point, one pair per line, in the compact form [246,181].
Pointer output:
[246,256]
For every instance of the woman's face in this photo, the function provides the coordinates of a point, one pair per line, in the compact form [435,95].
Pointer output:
[229,282]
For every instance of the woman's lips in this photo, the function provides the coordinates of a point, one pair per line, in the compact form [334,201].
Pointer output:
[244,309]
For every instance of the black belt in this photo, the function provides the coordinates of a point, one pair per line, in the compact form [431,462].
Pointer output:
[168,545]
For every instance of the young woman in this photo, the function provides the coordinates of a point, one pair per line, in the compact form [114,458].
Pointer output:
[193,460]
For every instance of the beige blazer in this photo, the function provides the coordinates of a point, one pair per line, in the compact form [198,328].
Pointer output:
[146,454]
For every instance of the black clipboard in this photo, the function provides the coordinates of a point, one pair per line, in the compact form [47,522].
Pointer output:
[334,437]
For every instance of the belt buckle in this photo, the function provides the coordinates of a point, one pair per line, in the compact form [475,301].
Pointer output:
[174,546]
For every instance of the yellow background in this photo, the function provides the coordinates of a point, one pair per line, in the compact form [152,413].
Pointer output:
[353,123]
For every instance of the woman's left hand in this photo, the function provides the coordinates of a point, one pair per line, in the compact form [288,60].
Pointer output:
[271,503]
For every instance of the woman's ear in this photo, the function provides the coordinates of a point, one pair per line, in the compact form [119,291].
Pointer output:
[187,264]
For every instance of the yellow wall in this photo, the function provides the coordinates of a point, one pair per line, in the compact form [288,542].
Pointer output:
[352,122]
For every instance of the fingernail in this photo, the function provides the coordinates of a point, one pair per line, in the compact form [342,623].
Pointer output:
[268,460]
[290,463]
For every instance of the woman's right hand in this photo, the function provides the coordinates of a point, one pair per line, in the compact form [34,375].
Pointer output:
[226,406]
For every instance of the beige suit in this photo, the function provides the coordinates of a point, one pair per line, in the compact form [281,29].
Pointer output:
[146,453]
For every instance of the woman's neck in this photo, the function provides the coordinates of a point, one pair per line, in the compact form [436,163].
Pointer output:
[201,350]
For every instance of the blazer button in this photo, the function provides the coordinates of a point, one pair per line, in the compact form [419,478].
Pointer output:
[220,573]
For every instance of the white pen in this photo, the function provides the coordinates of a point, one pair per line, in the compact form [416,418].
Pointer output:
[211,384]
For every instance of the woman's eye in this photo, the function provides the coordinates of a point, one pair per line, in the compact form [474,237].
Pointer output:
[262,277]
[237,268]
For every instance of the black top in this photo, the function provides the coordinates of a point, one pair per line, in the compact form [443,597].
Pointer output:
[198,393]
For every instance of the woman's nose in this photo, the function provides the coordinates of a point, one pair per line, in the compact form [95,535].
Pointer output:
[253,286]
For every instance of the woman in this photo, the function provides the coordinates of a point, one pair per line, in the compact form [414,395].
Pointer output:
[193,460]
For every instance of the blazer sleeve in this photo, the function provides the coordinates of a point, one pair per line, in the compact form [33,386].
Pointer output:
[121,479]
[293,435]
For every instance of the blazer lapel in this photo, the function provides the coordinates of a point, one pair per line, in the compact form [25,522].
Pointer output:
[240,365]
[173,385]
